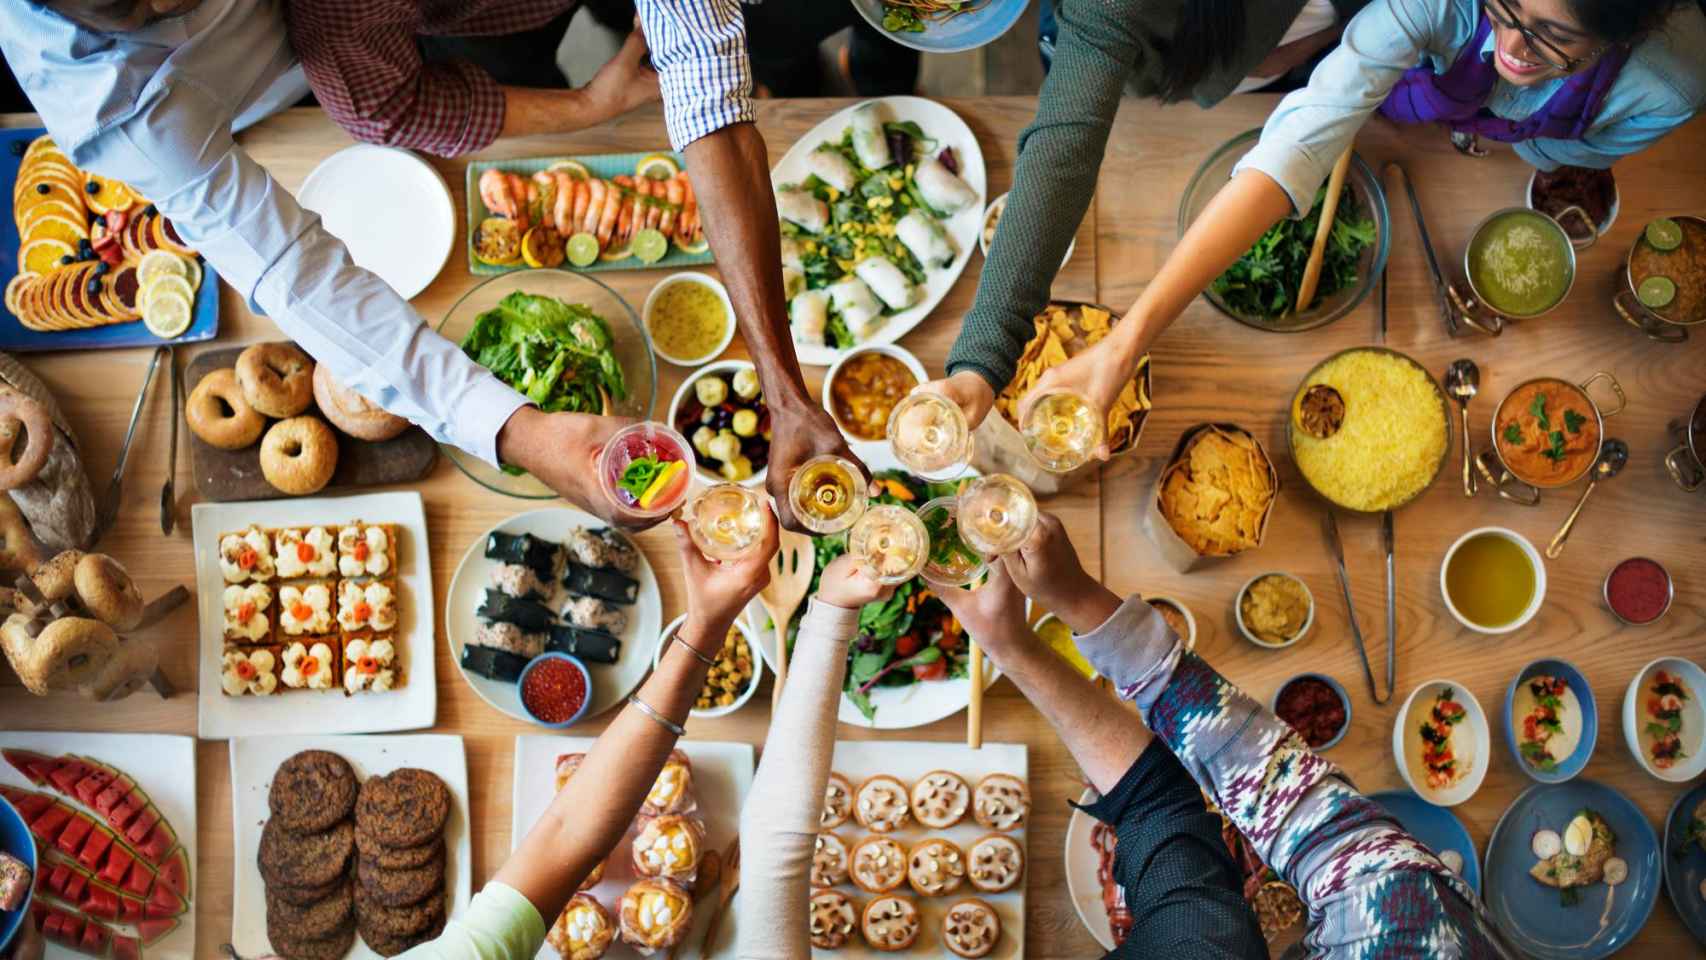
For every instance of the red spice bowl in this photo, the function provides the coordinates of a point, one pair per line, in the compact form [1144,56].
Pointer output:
[1316,707]
[555,690]
[1638,591]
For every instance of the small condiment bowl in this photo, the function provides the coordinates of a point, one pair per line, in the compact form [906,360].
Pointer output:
[1344,700]
[1693,719]
[1534,560]
[704,280]
[521,687]
[1048,618]
[900,353]
[1578,684]
[1670,593]
[683,392]
[993,212]
[1189,641]
[751,685]
[1472,734]
[1599,229]
[1249,634]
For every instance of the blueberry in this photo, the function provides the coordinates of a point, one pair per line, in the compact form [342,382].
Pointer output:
[42,188]
[94,287]
[83,245]
[92,187]
[102,268]
[67,260]
[150,210]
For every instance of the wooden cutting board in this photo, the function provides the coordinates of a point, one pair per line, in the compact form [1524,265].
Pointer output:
[236,474]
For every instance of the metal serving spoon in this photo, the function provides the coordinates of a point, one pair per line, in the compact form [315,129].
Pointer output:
[1613,454]
[1462,381]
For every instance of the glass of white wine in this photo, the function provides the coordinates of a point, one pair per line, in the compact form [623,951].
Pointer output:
[827,493]
[951,562]
[891,543]
[930,436]
[1062,430]
[996,514]
[726,520]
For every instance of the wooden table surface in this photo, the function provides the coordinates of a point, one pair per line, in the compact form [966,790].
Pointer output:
[1207,368]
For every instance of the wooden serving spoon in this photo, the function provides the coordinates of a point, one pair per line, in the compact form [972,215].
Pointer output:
[730,884]
[790,576]
[710,874]
[1318,254]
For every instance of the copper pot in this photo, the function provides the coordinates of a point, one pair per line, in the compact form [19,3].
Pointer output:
[1657,325]
[1687,461]
[1515,488]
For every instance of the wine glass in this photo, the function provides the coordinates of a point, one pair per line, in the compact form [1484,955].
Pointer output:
[996,514]
[950,562]
[726,520]
[645,469]
[891,543]
[827,493]
[1062,430]
[930,436]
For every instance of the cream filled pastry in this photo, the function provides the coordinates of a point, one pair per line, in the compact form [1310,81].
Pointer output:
[567,764]
[246,618]
[881,804]
[583,930]
[364,550]
[832,918]
[891,923]
[829,861]
[669,847]
[246,556]
[877,864]
[305,610]
[305,552]
[369,664]
[995,863]
[935,868]
[308,667]
[1001,802]
[364,606]
[672,791]
[252,672]
[971,928]
[655,915]
[940,799]
[837,802]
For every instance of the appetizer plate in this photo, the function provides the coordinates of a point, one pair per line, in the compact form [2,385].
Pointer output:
[861,447]
[611,683]
[948,130]
[1583,724]
[1685,862]
[1693,719]
[1435,826]
[967,31]
[255,759]
[390,208]
[411,706]
[722,777]
[1083,868]
[162,765]
[1532,915]
[1470,742]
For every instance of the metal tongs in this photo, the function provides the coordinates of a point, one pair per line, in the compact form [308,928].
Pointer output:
[1331,525]
[107,511]
[1454,308]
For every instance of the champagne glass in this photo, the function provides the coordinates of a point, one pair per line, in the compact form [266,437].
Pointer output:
[827,493]
[726,520]
[1062,430]
[645,469]
[996,514]
[930,436]
[950,562]
[890,542]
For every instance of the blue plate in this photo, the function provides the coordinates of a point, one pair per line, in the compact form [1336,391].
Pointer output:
[204,324]
[1572,764]
[1435,826]
[1685,863]
[968,31]
[1533,916]
[15,839]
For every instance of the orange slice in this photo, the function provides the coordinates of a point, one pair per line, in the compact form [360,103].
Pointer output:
[109,195]
[55,227]
[43,256]
[51,207]
[43,191]
[15,291]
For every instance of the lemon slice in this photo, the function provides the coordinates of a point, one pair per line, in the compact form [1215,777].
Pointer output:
[194,269]
[622,252]
[160,263]
[541,247]
[165,284]
[657,166]
[698,246]
[497,241]
[43,256]
[650,245]
[573,168]
[583,249]
[167,313]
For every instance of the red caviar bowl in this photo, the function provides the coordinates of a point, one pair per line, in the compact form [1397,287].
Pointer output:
[550,699]
[1333,687]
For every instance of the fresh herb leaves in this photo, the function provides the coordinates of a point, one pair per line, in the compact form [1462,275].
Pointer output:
[1537,407]
[1513,433]
[1263,282]
[1555,449]
[1573,421]
[639,474]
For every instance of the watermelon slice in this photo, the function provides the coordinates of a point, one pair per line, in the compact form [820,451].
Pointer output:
[49,822]
[66,772]
[91,786]
[57,878]
[75,886]
[94,939]
[126,811]
[100,903]
[38,913]
[53,928]
[127,948]
[175,872]
[164,904]
[95,849]
[76,831]
[32,765]
[141,826]
[141,879]
[109,798]
[30,805]
[158,843]
[130,909]
[153,931]
[118,864]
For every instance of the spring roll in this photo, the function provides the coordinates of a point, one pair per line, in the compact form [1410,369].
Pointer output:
[859,307]
[924,236]
[870,144]
[887,282]
[799,207]
[827,164]
[793,254]
[808,313]
[941,188]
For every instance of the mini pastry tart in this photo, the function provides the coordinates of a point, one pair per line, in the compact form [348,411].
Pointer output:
[1001,802]
[837,802]
[672,791]
[830,859]
[971,928]
[367,549]
[305,610]
[370,663]
[308,667]
[833,918]
[655,915]
[935,868]
[583,930]
[593,878]
[249,672]
[670,847]
[305,551]
[877,864]
[891,923]
[246,556]
[881,804]
[997,863]
[940,799]
[367,606]
[567,764]
[248,617]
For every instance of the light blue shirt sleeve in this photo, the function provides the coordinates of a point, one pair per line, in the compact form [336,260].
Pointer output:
[699,50]
[499,924]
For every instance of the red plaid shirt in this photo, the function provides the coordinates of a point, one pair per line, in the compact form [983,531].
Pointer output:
[365,67]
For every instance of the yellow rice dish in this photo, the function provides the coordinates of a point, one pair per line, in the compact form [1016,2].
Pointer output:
[1392,437]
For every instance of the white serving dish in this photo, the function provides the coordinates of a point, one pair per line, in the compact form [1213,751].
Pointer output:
[1471,740]
[1534,560]
[390,208]
[704,280]
[1082,867]
[751,685]
[701,472]
[859,445]
[992,213]
[1693,719]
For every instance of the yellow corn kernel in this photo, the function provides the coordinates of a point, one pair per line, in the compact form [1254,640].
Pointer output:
[895,183]
[834,194]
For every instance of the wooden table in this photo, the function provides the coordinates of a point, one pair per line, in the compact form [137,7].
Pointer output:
[1207,368]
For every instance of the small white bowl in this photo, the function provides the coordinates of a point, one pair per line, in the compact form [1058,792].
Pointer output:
[993,212]
[703,280]
[887,349]
[682,392]
[1693,719]
[1190,642]
[1250,635]
[751,685]
[1534,560]
[1470,738]
[1600,230]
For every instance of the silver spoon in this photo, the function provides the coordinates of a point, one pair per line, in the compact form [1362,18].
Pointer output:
[1462,380]
[1613,454]
[107,511]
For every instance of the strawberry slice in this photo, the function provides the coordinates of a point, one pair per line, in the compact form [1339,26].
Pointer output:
[158,843]
[100,903]
[76,831]
[153,931]
[126,948]
[175,873]
[95,849]
[141,879]
[118,864]
[47,825]
[164,904]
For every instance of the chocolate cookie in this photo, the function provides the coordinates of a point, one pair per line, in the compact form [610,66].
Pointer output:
[314,921]
[333,947]
[375,921]
[404,808]
[311,791]
[391,946]
[305,896]
[396,888]
[305,859]
[392,858]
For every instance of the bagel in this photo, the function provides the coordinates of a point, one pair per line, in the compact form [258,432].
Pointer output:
[22,415]
[68,652]
[351,412]
[108,592]
[55,578]
[299,455]
[277,379]
[130,667]
[218,413]
[19,550]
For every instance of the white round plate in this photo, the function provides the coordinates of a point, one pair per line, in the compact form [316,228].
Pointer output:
[948,130]
[390,207]
[611,683]
[1082,866]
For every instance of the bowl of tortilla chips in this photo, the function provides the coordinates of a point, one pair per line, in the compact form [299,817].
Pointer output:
[1214,498]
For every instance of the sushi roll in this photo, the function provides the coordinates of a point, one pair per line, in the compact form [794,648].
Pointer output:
[802,209]
[538,555]
[887,282]
[941,188]
[859,307]
[604,583]
[593,646]
[591,613]
[515,580]
[870,143]
[624,556]
[509,638]
[827,164]
[923,235]
[808,312]
[493,663]
[526,614]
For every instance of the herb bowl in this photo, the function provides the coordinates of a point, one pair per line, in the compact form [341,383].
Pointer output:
[1584,723]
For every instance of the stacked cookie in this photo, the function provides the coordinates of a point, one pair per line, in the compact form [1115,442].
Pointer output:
[399,838]
[306,849]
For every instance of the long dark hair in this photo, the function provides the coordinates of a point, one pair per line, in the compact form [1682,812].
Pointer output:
[1209,35]
[1624,21]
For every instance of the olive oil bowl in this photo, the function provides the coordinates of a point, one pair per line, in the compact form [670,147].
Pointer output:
[1493,580]
[681,317]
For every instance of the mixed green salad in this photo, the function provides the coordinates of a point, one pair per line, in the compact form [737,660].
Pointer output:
[1263,283]
[558,354]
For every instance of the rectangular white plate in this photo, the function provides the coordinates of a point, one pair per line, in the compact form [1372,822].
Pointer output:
[410,707]
[162,765]
[253,762]
[722,775]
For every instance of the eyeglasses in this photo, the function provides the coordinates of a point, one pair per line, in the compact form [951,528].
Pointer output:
[1500,12]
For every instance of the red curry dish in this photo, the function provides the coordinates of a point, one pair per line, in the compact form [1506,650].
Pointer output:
[1547,432]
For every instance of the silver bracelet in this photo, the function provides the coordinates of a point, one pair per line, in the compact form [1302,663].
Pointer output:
[662,720]
[690,648]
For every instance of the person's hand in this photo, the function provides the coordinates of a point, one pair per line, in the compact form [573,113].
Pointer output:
[798,432]
[1099,374]
[28,944]
[969,391]
[625,82]
[717,592]
[561,450]
[1046,568]
[993,612]
[845,583]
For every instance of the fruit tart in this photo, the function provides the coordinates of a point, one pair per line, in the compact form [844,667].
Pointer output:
[583,930]
[655,915]
[671,848]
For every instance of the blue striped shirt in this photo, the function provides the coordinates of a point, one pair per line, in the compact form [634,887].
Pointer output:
[699,50]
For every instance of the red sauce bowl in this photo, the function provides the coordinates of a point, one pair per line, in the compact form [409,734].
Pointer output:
[1311,703]
[555,690]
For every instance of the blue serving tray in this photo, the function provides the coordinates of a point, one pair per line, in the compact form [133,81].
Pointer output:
[15,337]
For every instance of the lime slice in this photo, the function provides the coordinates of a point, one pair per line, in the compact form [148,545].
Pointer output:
[615,252]
[583,249]
[166,284]
[650,246]
[573,168]
[1656,292]
[657,166]
[1664,234]
[167,314]
[160,263]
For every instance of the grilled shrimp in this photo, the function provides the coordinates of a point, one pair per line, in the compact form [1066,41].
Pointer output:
[595,205]
[494,192]
[687,224]
[625,218]
[565,202]
[578,213]
[676,196]
[607,217]
[517,198]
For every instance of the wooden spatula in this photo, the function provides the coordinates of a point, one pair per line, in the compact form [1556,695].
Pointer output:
[790,576]
[1323,230]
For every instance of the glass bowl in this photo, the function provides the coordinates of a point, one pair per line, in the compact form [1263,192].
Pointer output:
[632,347]
[1371,200]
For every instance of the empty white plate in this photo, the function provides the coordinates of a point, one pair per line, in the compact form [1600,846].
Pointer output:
[390,207]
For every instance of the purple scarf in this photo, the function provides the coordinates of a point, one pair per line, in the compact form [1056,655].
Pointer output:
[1456,97]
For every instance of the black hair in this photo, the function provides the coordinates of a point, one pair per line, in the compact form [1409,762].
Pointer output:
[1624,21]
[1210,34]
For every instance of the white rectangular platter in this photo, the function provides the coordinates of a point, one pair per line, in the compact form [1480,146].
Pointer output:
[412,706]
[722,775]
[253,762]
[164,767]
